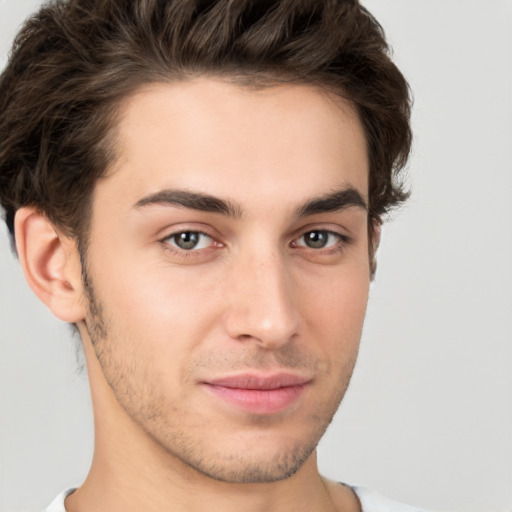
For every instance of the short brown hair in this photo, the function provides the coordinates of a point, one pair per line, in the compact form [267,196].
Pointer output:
[74,62]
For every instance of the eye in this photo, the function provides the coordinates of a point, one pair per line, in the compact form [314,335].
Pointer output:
[189,240]
[319,239]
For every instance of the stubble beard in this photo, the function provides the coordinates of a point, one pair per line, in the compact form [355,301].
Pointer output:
[151,416]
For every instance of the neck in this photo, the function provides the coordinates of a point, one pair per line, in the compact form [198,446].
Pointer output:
[154,487]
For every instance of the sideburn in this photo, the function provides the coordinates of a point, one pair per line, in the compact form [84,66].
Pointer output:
[94,321]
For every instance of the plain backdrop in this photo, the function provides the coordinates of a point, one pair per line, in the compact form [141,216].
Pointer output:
[428,417]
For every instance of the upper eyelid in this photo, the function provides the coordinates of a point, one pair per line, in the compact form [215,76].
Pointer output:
[341,237]
[342,233]
[174,230]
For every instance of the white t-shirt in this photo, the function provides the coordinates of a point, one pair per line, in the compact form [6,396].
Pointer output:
[371,501]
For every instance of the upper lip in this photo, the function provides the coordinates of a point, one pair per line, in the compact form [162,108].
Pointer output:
[259,382]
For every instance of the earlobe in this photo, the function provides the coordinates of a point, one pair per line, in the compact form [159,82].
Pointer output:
[51,264]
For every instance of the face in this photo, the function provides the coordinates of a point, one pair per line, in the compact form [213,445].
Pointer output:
[228,273]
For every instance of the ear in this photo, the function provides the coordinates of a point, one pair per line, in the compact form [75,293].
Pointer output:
[374,234]
[51,264]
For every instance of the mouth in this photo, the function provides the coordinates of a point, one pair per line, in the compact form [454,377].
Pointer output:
[259,394]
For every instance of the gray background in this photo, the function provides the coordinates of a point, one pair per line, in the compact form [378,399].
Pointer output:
[428,417]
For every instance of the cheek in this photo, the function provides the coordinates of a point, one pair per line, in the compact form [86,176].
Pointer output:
[164,304]
[156,321]
[335,306]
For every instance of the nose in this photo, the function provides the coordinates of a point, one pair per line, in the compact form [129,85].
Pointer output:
[262,305]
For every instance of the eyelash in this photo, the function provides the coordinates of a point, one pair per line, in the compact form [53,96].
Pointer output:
[337,247]
[184,253]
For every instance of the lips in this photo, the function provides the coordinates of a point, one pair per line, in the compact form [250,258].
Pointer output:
[259,394]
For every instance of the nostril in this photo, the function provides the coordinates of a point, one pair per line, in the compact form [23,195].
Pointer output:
[245,337]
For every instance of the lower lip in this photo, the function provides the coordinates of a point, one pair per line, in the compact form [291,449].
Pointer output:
[259,401]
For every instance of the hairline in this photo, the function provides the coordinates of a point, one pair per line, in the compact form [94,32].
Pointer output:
[257,80]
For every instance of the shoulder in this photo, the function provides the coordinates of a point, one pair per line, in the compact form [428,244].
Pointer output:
[372,501]
[57,505]
[353,497]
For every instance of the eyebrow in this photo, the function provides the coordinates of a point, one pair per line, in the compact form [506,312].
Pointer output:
[193,201]
[335,201]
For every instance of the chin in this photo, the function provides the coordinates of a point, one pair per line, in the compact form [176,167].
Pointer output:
[242,470]
[248,459]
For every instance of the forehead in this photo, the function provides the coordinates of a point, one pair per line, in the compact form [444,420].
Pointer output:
[207,135]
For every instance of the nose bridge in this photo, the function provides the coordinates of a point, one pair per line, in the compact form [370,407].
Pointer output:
[262,305]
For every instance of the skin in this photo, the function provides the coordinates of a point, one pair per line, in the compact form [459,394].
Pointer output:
[158,321]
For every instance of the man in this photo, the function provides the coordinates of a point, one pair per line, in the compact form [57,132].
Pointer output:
[199,188]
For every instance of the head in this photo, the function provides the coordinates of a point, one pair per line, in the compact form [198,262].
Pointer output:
[99,96]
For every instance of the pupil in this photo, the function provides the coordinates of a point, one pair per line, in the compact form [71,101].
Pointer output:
[316,239]
[187,240]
